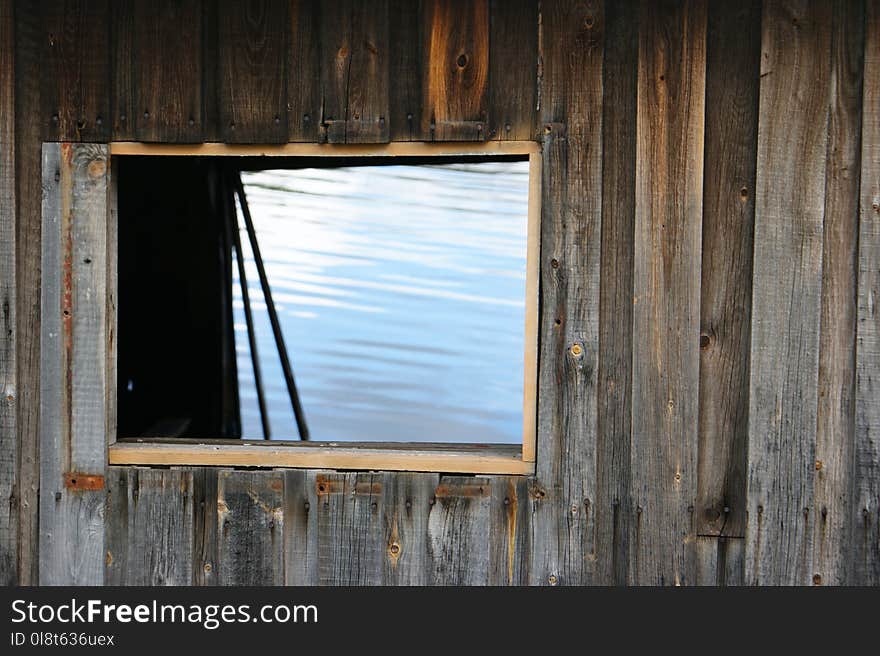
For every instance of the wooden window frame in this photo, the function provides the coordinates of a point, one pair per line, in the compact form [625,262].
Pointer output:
[508,459]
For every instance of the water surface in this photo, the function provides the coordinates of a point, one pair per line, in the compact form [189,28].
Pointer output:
[401,294]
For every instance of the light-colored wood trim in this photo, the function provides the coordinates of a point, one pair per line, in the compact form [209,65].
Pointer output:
[533,257]
[394,149]
[452,458]
[397,457]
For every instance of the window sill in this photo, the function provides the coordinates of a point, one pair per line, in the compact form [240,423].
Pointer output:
[451,458]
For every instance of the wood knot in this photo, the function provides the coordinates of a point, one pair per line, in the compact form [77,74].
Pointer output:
[98,168]
[462,60]
[705,340]
[576,350]
[817,579]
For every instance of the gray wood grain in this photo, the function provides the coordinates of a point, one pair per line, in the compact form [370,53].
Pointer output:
[206,546]
[835,430]
[866,476]
[250,527]
[351,542]
[614,409]
[150,526]
[407,506]
[300,528]
[571,224]
[458,531]
[9,501]
[669,191]
[28,157]
[73,391]
[719,560]
[510,515]
[786,297]
[732,80]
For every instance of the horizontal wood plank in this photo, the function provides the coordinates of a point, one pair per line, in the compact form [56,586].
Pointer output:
[494,459]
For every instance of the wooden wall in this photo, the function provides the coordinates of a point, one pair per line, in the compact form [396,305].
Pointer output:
[709,405]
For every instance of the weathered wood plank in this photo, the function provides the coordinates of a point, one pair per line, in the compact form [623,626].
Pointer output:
[250,527]
[8,375]
[28,157]
[73,384]
[865,555]
[563,526]
[350,528]
[304,72]
[407,506]
[666,360]
[614,407]
[168,70]
[206,546]
[513,68]
[719,560]
[355,71]
[786,297]
[456,70]
[835,430]
[149,526]
[122,75]
[458,531]
[253,61]
[75,70]
[300,528]
[405,76]
[510,516]
[732,69]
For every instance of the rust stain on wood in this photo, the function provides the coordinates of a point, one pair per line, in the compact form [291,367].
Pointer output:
[368,488]
[325,485]
[80,481]
[467,490]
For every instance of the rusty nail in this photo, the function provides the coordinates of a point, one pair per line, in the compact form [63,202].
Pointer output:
[552,580]
[506,501]
[208,567]
[817,579]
